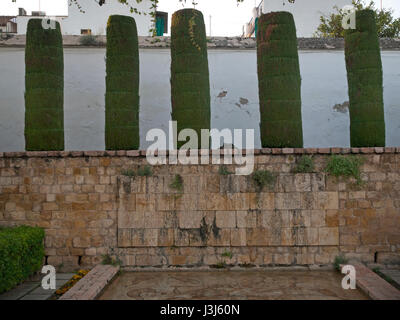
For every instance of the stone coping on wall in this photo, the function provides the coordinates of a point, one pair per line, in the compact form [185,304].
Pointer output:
[212,43]
[142,153]
[91,285]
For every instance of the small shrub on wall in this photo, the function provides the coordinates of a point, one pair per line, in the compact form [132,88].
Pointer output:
[279,81]
[44,88]
[365,80]
[122,84]
[190,84]
[21,254]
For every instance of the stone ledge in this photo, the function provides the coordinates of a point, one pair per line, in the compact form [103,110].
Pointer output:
[212,43]
[142,153]
[90,286]
[374,286]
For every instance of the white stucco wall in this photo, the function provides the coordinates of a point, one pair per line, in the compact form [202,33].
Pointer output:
[306,13]
[233,88]
[95,17]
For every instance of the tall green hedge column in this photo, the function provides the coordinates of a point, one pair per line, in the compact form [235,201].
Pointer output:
[44,88]
[122,84]
[364,75]
[279,81]
[190,84]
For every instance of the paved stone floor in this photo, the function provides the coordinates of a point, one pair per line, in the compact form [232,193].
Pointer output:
[32,289]
[232,285]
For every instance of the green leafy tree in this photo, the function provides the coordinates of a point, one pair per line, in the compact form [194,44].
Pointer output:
[331,25]
[190,84]
[279,81]
[122,84]
[44,88]
[365,81]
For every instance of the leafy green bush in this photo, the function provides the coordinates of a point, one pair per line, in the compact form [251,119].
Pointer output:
[279,81]
[341,166]
[365,82]
[190,84]
[89,40]
[122,84]
[341,259]
[144,171]
[177,184]
[21,254]
[263,178]
[44,88]
[304,165]
[223,171]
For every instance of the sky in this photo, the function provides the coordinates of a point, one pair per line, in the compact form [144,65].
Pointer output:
[230,16]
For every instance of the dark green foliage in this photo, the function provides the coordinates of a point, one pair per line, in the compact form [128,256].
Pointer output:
[44,88]
[223,171]
[21,254]
[122,84]
[365,80]
[89,40]
[347,167]
[341,259]
[128,173]
[263,178]
[190,84]
[144,171]
[177,184]
[304,165]
[279,81]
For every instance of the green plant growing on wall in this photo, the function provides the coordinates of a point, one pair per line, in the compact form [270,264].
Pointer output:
[44,88]
[190,84]
[89,40]
[128,173]
[122,84]
[304,165]
[223,171]
[177,183]
[108,260]
[365,81]
[341,259]
[144,171]
[347,167]
[263,178]
[227,254]
[279,81]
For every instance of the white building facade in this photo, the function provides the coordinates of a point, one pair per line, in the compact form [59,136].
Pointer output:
[306,13]
[92,18]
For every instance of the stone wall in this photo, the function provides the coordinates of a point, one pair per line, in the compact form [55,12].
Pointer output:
[89,208]
[212,43]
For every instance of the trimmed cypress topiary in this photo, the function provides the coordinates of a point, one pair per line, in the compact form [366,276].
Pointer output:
[190,84]
[279,81]
[365,80]
[122,84]
[44,88]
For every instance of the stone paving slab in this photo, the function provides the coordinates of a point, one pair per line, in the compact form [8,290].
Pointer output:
[230,285]
[374,286]
[32,290]
[64,276]
[90,286]
[20,291]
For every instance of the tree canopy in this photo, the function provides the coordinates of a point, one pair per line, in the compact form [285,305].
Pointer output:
[331,25]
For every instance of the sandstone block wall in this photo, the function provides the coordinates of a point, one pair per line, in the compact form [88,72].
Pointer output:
[89,208]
